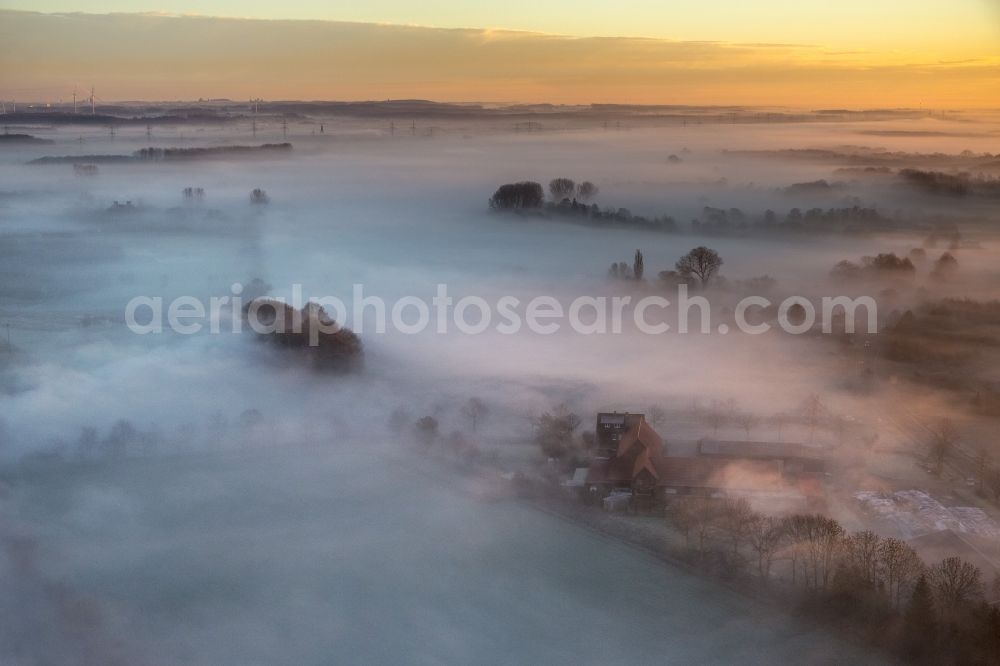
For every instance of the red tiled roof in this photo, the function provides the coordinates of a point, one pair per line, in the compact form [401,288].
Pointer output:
[639,431]
[639,449]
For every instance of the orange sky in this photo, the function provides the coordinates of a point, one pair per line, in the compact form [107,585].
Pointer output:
[157,57]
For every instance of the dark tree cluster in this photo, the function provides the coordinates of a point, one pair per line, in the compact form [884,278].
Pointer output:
[701,262]
[961,184]
[935,182]
[518,196]
[476,411]
[122,440]
[944,234]
[720,221]
[811,413]
[565,188]
[208,152]
[309,330]
[821,186]
[712,221]
[122,208]
[11,137]
[940,342]
[621,270]
[878,586]
[889,265]
[881,265]
[879,159]
[945,267]
[697,267]
[561,188]
[609,217]
[569,200]
[586,191]
[555,434]
[888,262]
[426,432]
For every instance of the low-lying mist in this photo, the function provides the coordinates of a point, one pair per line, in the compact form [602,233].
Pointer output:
[263,512]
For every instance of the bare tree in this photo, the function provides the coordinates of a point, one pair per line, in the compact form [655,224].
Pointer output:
[681,514]
[714,417]
[554,431]
[824,548]
[719,413]
[701,262]
[638,267]
[765,535]
[955,583]
[426,430]
[816,541]
[748,422]
[586,191]
[707,515]
[561,188]
[862,550]
[698,517]
[735,516]
[899,567]
[943,442]
[476,410]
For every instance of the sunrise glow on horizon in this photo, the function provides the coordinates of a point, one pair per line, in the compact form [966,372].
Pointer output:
[848,54]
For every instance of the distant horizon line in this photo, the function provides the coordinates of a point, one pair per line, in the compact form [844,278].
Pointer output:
[165,58]
[83,102]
